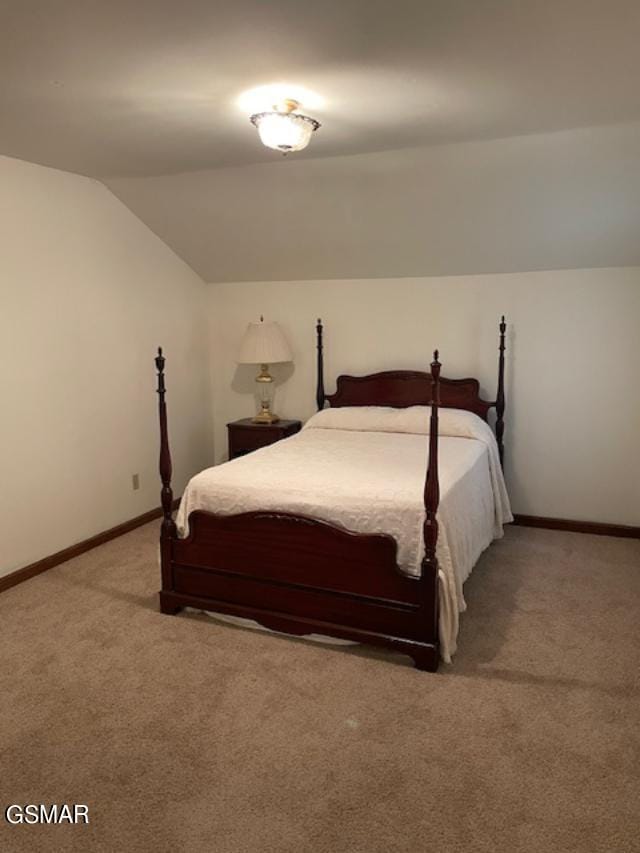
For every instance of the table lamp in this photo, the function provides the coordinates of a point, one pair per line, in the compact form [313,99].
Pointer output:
[264,344]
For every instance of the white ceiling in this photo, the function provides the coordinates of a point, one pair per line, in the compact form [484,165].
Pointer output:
[149,87]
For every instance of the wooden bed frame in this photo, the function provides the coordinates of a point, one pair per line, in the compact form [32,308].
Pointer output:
[301,575]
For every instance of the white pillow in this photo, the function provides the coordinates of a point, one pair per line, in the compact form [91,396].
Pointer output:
[414,420]
[362,418]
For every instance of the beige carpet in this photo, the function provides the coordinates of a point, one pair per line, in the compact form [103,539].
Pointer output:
[185,735]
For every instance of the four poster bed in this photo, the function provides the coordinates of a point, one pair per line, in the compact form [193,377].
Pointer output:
[287,554]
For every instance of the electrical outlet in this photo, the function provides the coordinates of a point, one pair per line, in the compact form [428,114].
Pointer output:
[135,479]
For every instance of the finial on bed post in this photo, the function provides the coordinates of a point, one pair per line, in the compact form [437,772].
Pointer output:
[168,525]
[432,495]
[320,386]
[500,400]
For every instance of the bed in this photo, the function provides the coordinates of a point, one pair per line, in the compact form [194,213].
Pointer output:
[307,536]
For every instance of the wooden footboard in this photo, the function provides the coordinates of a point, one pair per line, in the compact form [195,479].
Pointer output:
[301,575]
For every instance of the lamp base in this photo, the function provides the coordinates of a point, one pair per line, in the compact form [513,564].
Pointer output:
[266,417]
[265,383]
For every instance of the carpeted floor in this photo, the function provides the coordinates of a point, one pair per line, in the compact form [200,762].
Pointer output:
[182,734]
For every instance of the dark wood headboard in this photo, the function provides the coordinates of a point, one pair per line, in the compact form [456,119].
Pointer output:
[402,388]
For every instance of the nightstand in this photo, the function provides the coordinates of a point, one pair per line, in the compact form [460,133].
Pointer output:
[245,435]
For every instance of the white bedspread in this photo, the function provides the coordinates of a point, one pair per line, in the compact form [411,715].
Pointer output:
[369,477]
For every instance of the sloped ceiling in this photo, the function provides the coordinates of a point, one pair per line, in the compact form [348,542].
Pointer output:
[458,135]
[569,199]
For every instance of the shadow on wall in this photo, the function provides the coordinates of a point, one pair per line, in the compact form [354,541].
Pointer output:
[244,383]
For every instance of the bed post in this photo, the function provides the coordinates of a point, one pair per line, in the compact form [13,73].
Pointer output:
[320,386]
[168,529]
[429,573]
[432,484]
[500,401]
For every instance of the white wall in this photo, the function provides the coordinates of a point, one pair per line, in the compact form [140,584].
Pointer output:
[573,365]
[87,293]
[565,200]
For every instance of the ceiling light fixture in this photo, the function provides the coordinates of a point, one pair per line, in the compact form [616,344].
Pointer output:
[283,128]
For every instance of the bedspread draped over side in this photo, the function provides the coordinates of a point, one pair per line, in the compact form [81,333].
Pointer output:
[364,469]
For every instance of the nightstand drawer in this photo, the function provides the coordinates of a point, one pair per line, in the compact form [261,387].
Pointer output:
[245,436]
[248,439]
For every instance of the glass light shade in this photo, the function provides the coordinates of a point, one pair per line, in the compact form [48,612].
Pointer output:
[285,131]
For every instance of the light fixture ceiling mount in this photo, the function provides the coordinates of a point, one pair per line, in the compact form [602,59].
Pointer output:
[284,129]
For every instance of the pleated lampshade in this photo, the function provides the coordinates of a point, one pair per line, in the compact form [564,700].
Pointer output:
[264,343]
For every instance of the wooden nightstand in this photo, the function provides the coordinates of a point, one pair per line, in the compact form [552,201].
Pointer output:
[245,435]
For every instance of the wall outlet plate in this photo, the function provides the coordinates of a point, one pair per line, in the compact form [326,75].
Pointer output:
[135,479]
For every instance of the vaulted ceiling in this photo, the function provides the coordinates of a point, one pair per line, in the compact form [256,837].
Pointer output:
[150,87]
